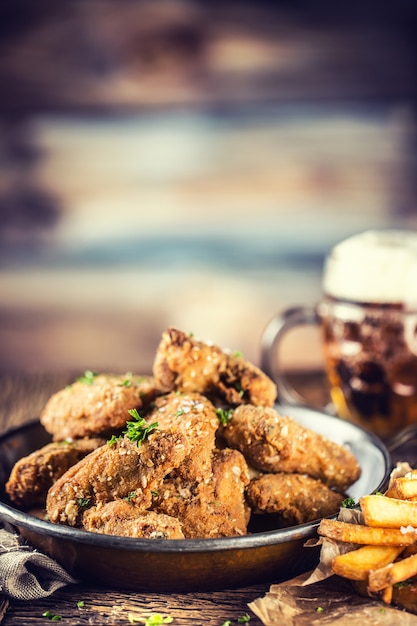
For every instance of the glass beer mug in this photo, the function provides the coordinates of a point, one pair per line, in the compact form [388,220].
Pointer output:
[368,324]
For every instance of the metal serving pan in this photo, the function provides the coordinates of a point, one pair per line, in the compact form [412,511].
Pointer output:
[188,564]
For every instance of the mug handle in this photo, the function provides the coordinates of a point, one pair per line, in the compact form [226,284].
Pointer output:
[280,324]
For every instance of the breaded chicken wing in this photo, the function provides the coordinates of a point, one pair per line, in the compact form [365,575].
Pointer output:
[195,505]
[33,475]
[230,478]
[116,471]
[195,417]
[96,405]
[126,519]
[275,443]
[185,364]
[293,498]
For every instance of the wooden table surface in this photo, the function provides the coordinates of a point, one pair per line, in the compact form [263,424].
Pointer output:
[22,397]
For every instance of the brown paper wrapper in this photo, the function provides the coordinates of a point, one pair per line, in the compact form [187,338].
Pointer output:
[331,601]
[320,597]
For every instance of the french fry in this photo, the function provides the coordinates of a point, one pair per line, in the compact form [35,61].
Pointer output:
[385,512]
[357,564]
[392,574]
[403,487]
[365,535]
[387,594]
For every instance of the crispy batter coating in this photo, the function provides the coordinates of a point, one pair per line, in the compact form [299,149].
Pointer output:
[116,471]
[97,406]
[33,475]
[124,518]
[276,443]
[185,364]
[294,498]
[231,476]
[206,492]
[195,505]
[195,417]
[215,507]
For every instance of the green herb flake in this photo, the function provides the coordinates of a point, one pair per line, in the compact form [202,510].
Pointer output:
[127,382]
[88,377]
[83,503]
[319,609]
[244,619]
[51,616]
[224,415]
[348,503]
[179,412]
[80,604]
[112,441]
[240,389]
[227,623]
[130,496]
[238,354]
[138,429]
[156,619]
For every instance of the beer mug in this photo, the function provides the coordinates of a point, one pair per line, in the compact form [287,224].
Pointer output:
[368,327]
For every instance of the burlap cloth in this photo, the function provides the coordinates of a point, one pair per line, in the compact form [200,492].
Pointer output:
[25,573]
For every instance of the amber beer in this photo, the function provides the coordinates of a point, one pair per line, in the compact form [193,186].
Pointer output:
[369,325]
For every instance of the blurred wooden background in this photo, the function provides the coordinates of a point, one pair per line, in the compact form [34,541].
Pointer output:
[190,163]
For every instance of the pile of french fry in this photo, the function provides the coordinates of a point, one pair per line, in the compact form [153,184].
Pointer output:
[385,555]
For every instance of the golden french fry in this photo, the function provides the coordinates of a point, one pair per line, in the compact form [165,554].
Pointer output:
[387,594]
[357,564]
[392,574]
[365,535]
[384,512]
[403,487]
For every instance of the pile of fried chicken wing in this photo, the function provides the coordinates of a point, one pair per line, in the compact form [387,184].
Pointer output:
[195,450]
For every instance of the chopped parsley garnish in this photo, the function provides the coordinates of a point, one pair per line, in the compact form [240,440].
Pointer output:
[130,496]
[238,354]
[152,620]
[52,616]
[244,619]
[113,440]
[319,609]
[87,378]
[136,430]
[348,503]
[84,502]
[179,412]
[224,415]
[80,604]
[239,388]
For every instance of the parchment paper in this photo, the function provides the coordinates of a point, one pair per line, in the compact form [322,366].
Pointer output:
[320,597]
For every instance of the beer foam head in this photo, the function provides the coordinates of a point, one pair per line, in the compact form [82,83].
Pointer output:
[374,266]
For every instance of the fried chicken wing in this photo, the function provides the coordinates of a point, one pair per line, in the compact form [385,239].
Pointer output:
[96,405]
[196,507]
[276,443]
[195,417]
[115,471]
[293,498]
[215,507]
[185,364]
[126,519]
[33,475]
[206,492]
[230,477]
